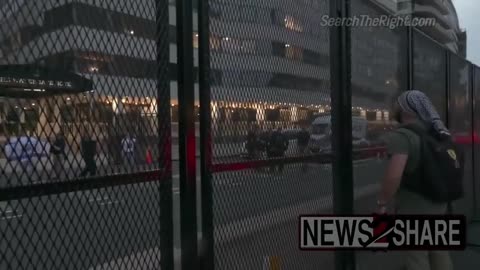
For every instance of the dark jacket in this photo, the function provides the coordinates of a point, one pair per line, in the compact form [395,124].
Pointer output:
[303,137]
[89,148]
[58,143]
[278,143]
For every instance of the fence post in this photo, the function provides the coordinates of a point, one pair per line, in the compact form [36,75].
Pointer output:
[447,86]
[341,99]
[186,134]
[207,255]
[447,118]
[410,59]
[471,84]
[165,145]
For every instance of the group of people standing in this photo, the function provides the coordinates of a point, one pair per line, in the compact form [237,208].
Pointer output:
[88,151]
[274,143]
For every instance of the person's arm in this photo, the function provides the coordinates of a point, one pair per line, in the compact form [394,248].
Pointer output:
[397,148]
[391,180]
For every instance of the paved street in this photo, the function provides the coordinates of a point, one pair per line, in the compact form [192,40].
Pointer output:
[90,228]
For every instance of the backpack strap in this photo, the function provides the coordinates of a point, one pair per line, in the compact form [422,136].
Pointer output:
[421,132]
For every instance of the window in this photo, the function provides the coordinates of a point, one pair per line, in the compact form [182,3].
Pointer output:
[294,53]
[287,81]
[293,24]
[215,43]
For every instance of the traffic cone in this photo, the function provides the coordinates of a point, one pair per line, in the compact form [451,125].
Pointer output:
[148,157]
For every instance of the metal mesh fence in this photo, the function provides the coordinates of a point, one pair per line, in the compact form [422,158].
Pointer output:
[270,97]
[429,69]
[378,75]
[85,133]
[476,133]
[89,112]
[460,124]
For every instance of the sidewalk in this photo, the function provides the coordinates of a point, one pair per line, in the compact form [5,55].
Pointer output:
[73,162]
[470,258]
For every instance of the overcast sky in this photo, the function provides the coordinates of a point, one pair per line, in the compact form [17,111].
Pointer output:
[468,13]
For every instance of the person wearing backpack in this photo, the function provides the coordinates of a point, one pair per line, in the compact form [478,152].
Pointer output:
[424,173]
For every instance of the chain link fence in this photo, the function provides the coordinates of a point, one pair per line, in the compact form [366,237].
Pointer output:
[270,104]
[84,125]
[90,128]
[429,71]
[460,125]
[378,75]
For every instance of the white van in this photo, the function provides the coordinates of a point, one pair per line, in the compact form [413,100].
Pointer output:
[321,130]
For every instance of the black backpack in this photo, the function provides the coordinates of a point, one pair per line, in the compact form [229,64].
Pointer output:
[439,176]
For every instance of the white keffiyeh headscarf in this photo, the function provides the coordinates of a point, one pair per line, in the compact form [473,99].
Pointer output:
[418,103]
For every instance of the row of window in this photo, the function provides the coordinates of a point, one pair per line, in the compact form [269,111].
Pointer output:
[257,14]
[235,45]
[124,66]
[108,20]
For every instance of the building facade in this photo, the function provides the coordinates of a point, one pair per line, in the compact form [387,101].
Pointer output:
[269,62]
[447,30]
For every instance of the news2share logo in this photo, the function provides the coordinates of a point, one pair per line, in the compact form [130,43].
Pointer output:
[382,232]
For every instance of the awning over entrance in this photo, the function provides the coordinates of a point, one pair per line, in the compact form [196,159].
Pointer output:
[28,81]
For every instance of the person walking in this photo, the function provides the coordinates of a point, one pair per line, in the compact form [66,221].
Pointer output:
[58,152]
[408,185]
[277,145]
[252,143]
[89,151]
[303,137]
[128,150]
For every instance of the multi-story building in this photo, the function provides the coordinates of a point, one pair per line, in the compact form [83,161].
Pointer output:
[447,30]
[269,61]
